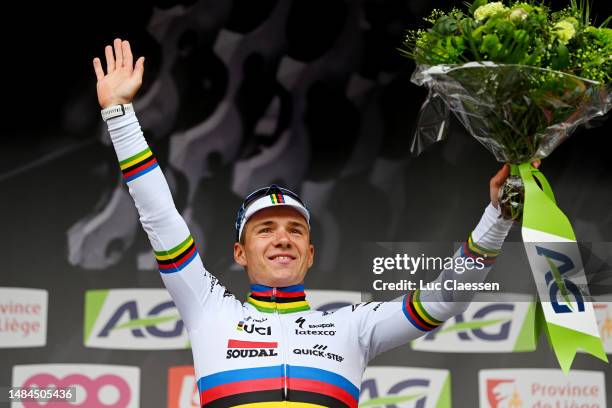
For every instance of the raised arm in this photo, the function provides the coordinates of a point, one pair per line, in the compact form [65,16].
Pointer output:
[181,268]
[391,324]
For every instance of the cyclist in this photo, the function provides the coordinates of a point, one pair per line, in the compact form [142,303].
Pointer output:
[271,350]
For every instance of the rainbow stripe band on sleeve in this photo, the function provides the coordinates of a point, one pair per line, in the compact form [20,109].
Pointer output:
[416,314]
[178,257]
[138,165]
[470,249]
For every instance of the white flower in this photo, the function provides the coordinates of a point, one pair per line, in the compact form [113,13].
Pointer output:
[564,31]
[488,10]
[518,14]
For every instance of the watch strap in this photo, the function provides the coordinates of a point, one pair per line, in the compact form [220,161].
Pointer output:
[116,111]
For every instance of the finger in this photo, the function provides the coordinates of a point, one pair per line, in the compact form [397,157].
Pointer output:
[127,55]
[110,59]
[501,176]
[98,69]
[118,53]
[537,163]
[139,68]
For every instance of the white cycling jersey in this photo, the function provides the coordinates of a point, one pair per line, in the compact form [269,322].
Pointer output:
[273,350]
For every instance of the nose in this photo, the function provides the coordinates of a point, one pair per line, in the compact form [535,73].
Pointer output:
[281,238]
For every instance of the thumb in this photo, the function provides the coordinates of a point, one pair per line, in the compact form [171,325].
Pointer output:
[501,176]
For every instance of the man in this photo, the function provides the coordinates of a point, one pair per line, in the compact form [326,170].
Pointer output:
[272,350]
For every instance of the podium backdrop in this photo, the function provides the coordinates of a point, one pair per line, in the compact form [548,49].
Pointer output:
[310,94]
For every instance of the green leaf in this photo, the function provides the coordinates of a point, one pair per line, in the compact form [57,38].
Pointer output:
[562,59]
[445,25]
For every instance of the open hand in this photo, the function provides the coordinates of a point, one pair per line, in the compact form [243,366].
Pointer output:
[123,78]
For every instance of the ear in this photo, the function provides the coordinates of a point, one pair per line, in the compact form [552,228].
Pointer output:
[311,251]
[240,254]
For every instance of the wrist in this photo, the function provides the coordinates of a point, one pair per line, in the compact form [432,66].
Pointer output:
[114,101]
[114,111]
[492,229]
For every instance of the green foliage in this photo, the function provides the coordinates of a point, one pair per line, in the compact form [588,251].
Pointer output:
[516,32]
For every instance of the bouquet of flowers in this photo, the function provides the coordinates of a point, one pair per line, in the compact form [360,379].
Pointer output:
[521,78]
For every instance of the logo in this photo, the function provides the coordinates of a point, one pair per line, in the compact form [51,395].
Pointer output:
[319,350]
[252,319]
[96,385]
[315,332]
[23,317]
[307,332]
[133,319]
[250,349]
[499,391]
[486,327]
[252,328]
[400,387]
[556,283]
[541,388]
[182,388]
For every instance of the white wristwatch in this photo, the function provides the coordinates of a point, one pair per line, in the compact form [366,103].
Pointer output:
[116,111]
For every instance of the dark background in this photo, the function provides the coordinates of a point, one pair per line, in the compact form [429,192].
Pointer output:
[314,89]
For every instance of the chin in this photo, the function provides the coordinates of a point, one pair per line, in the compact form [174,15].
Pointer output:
[282,279]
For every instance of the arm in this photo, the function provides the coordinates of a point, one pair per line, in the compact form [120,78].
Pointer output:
[182,271]
[391,324]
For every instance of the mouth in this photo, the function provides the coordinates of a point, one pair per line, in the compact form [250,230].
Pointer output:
[282,259]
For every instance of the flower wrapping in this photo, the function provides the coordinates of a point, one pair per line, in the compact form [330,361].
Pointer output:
[506,107]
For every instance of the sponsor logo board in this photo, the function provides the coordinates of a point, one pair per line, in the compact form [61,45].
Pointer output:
[541,388]
[489,325]
[109,386]
[182,388]
[404,387]
[23,317]
[133,319]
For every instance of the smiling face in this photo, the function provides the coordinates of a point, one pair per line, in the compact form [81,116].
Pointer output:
[276,249]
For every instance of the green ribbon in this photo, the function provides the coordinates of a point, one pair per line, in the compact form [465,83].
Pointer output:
[540,213]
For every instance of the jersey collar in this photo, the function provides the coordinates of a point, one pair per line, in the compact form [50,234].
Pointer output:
[289,299]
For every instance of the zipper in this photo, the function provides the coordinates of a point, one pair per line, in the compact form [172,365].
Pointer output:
[283,359]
